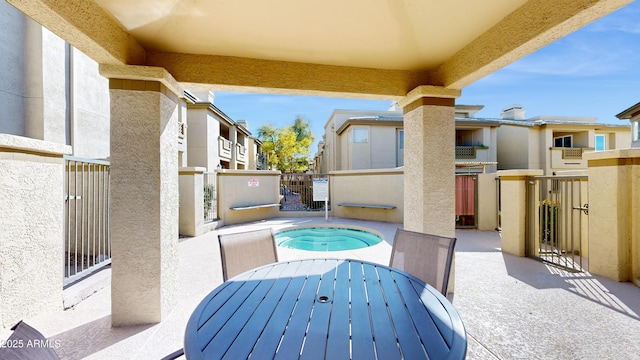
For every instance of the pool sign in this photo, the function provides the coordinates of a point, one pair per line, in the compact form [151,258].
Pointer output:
[321,189]
[254,182]
[321,193]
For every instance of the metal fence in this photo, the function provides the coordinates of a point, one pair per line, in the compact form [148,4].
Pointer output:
[87,232]
[210,197]
[297,192]
[557,220]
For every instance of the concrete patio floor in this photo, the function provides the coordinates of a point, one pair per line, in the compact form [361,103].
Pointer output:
[512,308]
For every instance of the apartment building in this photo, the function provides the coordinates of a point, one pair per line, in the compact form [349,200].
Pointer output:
[553,143]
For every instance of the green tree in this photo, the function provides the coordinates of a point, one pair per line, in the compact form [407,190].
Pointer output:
[269,137]
[287,149]
[302,128]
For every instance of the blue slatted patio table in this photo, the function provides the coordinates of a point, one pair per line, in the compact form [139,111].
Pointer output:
[325,309]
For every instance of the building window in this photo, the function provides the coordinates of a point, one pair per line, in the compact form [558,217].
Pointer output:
[360,136]
[401,139]
[635,130]
[600,144]
[563,141]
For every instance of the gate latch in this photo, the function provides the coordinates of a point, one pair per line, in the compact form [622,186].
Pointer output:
[584,208]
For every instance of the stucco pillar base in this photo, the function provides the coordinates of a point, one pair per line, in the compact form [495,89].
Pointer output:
[144,201]
[614,209]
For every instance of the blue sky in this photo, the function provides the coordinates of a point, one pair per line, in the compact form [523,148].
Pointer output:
[594,72]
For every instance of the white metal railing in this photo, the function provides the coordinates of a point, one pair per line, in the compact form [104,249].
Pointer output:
[87,232]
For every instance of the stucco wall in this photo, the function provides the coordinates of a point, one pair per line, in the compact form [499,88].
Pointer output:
[247,188]
[91,112]
[487,202]
[203,132]
[513,147]
[31,219]
[383,147]
[360,186]
[12,38]
[191,201]
[46,76]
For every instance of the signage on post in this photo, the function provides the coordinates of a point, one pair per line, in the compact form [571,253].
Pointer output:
[321,193]
[321,189]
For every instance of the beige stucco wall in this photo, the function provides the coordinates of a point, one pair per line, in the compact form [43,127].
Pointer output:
[49,90]
[45,79]
[513,147]
[614,207]
[12,58]
[487,202]
[90,117]
[343,149]
[383,147]
[191,216]
[204,130]
[32,220]
[234,190]
[357,186]
[557,163]
[513,209]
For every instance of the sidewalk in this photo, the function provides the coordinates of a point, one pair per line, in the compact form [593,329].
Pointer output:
[512,308]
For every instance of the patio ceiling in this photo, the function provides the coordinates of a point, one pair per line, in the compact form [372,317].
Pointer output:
[364,48]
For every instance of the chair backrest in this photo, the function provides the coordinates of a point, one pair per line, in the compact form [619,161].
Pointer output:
[247,250]
[27,343]
[427,257]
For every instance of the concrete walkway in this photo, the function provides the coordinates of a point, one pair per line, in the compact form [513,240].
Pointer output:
[512,308]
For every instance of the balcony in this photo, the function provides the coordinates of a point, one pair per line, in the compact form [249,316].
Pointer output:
[241,153]
[474,153]
[224,148]
[465,152]
[568,158]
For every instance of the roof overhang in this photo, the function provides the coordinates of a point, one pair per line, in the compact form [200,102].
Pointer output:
[361,48]
[630,113]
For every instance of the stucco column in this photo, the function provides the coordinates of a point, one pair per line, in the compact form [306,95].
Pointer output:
[513,209]
[191,201]
[614,209]
[144,200]
[429,160]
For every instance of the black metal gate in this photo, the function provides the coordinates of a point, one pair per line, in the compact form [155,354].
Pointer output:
[557,221]
[297,192]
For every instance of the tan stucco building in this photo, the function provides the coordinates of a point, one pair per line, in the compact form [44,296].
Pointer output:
[553,143]
[365,139]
